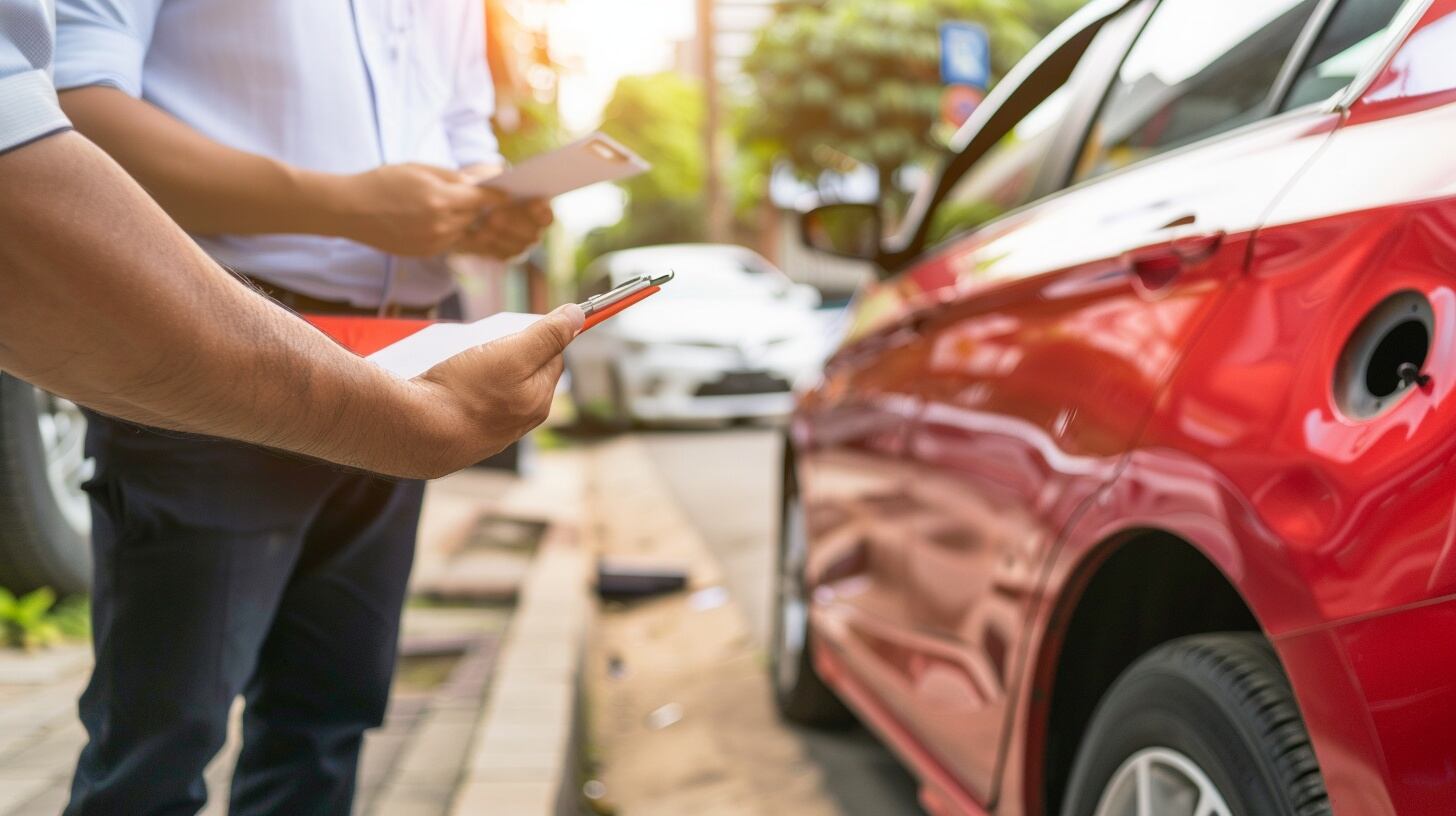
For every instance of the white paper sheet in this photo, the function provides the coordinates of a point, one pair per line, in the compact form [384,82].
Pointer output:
[435,344]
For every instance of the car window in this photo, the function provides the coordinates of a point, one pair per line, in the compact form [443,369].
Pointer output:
[1005,178]
[1198,68]
[1349,42]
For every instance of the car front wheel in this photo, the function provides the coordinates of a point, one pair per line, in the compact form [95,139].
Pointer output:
[801,695]
[1202,726]
[45,516]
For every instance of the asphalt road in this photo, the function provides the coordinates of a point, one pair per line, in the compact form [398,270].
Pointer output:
[727,482]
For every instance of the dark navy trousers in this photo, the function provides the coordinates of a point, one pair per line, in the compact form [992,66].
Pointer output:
[224,569]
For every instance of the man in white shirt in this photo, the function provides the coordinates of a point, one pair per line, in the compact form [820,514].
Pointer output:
[108,303]
[329,152]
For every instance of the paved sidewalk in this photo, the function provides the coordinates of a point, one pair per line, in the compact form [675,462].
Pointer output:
[443,736]
[681,719]
[409,767]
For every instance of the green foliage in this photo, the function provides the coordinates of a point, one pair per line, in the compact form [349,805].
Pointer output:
[25,622]
[954,217]
[862,77]
[659,116]
[1045,15]
[539,131]
[35,621]
[73,617]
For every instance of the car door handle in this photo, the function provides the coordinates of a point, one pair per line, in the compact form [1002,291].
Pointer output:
[1160,263]
[1196,247]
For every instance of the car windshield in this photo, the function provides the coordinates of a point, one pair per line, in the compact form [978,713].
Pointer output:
[715,279]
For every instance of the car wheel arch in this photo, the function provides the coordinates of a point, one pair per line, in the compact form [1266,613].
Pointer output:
[1109,616]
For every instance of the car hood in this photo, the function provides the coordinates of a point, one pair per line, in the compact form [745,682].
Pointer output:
[711,322]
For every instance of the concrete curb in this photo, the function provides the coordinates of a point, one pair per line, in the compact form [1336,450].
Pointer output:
[523,761]
[685,724]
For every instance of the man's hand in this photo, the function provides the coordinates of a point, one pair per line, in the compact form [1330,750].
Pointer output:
[507,231]
[410,209]
[500,391]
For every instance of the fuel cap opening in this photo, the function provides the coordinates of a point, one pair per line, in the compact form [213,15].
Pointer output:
[1385,356]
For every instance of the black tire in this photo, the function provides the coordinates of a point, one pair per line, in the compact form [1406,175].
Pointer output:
[800,693]
[1219,700]
[38,546]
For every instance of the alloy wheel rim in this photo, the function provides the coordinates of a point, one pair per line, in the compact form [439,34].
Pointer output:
[1161,782]
[62,429]
[793,605]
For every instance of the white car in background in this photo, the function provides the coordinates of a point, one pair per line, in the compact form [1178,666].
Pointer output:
[727,339]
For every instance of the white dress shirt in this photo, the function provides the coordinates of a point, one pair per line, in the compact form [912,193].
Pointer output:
[338,86]
[28,109]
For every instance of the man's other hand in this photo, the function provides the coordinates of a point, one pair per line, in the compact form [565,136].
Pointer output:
[498,392]
[411,209]
[508,230]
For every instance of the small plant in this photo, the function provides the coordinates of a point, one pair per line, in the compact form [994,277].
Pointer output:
[73,617]
[28,622]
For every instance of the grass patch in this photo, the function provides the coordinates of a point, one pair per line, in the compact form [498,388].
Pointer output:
[36,620]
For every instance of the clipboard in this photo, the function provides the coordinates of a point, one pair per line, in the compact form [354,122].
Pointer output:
[585,162]
[409,348]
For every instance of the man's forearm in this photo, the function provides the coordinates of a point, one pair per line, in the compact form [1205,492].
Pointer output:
[205,186]
[108,303]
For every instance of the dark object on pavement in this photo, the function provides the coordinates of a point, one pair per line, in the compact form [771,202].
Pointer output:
[621,581]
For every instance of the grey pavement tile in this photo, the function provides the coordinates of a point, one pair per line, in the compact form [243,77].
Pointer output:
[406,802]
[49,802]
[51,753]
[504,797]
[42,706]
[16,792]
[44,668]
[436,753]
[381,750]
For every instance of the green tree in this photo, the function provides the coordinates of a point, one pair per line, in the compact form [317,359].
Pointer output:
[847,81]
[660,116]
[538,131]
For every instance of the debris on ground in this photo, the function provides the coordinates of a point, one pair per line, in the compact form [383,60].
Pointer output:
[622,580]
[665,716]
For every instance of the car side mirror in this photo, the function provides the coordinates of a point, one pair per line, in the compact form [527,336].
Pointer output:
[846,230]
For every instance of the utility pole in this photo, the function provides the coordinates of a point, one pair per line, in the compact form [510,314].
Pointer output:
[713,188]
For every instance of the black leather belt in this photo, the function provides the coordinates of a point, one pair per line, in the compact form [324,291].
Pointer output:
[307,304]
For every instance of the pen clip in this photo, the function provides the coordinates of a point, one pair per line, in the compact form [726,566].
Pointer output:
[627,290]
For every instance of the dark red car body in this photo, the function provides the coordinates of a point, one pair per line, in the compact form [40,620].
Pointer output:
[1036,452]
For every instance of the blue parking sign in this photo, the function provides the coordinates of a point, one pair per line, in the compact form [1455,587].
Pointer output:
[965,55]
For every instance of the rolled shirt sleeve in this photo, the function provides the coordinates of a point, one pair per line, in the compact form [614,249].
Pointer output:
[103,42]
[28,107]
[467,121]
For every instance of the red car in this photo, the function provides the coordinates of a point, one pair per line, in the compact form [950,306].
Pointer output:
[1131,491]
